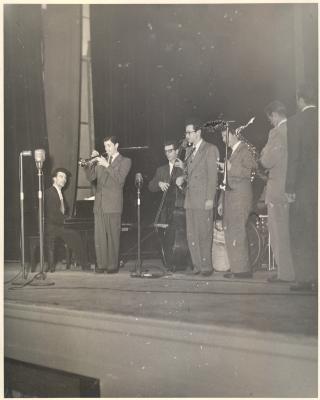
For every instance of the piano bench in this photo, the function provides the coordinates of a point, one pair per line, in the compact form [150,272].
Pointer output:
[49,248]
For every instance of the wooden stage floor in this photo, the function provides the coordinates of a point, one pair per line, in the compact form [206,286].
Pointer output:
[173,336]
[244,303]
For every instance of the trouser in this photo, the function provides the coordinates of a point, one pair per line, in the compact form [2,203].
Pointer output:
[304,238]
[73,240]
[199,236]
[237,206]
[278,224]
[107,228]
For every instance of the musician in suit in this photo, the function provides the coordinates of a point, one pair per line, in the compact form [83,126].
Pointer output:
[237,204]
[56,209]
[165,180]
[274,158]
[110,174]
[201,179]
[164,174]
[302,189]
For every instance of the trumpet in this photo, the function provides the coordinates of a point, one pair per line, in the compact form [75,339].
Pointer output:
[86,162]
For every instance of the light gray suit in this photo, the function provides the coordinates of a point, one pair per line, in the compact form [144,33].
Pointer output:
[238,203]
[201,186]
[274,157]
[107,209]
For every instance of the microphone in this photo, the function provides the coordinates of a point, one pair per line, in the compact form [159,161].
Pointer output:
[39,157]
[138,180]
[26,153]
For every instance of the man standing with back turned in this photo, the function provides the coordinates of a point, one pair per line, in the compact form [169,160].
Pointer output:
[274,158]
[302,189]
[201,179]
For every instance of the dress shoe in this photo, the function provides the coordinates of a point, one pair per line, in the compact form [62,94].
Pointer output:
[99,271]
[237,275]
[206,273]
[304,287]
[113,271]
[86,267]
[275,279]
[193,272]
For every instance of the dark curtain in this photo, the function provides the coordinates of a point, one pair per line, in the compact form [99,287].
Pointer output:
[24,117]
[62,67]
[154,66]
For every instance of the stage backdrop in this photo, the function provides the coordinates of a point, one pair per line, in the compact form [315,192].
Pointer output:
[156,65]
[24,117]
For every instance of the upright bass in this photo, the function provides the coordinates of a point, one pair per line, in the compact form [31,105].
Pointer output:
[175,251]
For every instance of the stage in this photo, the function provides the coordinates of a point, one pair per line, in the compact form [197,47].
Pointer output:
[173,336]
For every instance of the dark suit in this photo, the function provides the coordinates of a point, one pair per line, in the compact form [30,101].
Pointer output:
[163,175]
[238,203]
[172,200]
[54,228]
[274,158]
[201,186]
[107,209]
[302,179]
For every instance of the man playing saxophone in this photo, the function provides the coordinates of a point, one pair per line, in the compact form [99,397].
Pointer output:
[237,199]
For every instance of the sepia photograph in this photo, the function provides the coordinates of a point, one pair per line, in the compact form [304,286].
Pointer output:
[160,194]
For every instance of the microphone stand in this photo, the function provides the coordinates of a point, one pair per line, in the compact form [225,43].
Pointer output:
[22,233]
[138,268]
[40,278]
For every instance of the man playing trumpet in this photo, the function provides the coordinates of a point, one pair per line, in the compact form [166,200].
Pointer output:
[110,174]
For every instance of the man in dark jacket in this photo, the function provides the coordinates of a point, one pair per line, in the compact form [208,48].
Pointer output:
[165,180]
[302,188]
[56,209]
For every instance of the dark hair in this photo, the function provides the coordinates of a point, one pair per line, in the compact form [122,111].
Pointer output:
[197,124]
[170,142]
[277,107]
[113,138]
[306,92]
[54,172]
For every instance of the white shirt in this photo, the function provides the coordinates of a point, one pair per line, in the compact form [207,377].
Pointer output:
[62,208]
[306,107]
[196,147]
[114,156]
[171,165]
[235,146]
[281,122]
[59,192]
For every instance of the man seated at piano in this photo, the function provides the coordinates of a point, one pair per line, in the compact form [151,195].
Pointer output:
[55,212]
[164,180]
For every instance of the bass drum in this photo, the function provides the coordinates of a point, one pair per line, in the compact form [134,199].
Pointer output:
[255,241]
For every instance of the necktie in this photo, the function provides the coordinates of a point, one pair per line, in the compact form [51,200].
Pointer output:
[193,151]
[110,160]
[62,205]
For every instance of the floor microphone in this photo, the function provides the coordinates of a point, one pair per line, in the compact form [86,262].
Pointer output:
[39,157]
[139,180]
[26,153]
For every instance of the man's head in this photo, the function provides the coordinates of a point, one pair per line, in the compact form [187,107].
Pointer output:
[60,177]
[305,95]
[276,112]
[111,144]
[170,149]
[233,138]
[193,130]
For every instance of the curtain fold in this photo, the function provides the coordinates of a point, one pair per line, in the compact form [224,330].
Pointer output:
[62,75]
[24,117]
